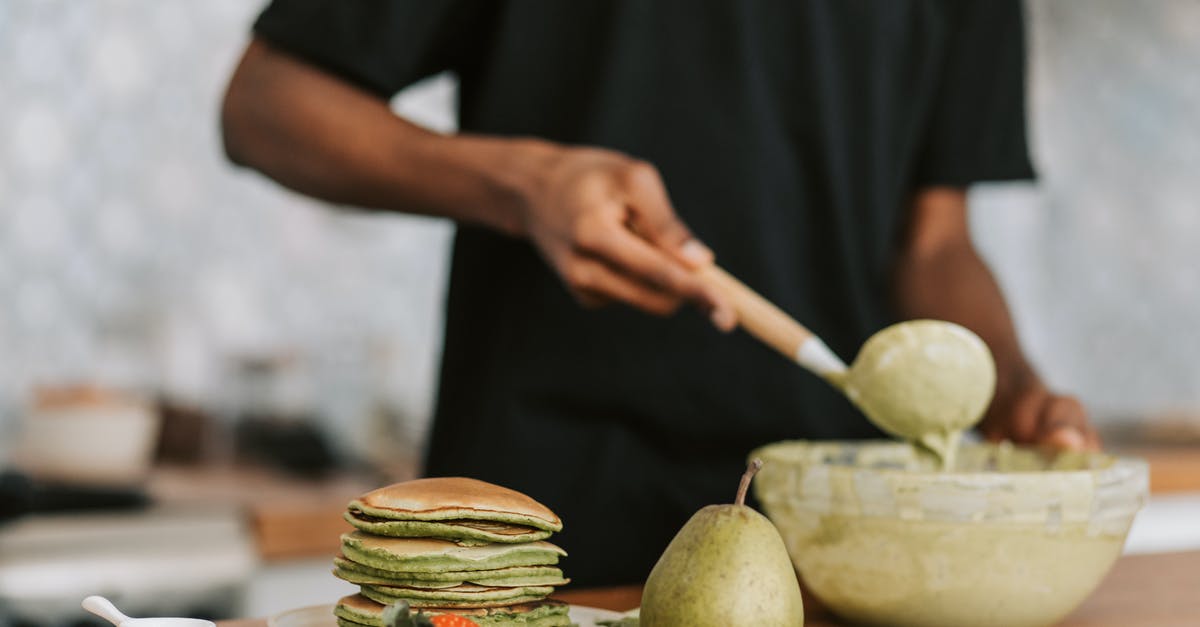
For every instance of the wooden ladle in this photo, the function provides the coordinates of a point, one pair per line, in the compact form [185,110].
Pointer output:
[770,325]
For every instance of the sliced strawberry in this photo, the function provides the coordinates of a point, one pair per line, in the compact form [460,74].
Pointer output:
[452,620]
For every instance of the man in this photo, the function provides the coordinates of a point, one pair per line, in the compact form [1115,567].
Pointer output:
[820,149]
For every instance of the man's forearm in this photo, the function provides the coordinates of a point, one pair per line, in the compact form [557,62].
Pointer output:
[323,137]
[939,275]
[601,219]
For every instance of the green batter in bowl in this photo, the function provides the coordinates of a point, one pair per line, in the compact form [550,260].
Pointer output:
[1010,537]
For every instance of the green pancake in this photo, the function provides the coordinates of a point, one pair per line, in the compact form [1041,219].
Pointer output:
[422,555]
[466,595]
[463,510]
[465,532]
[504,577]
[359,611]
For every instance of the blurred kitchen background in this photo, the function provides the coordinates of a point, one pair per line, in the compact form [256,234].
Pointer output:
[276,355]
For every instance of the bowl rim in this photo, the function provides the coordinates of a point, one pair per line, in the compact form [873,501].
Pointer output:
[1109,495]
[1118,464]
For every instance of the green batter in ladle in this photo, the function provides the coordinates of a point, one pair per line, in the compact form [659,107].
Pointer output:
[926,381]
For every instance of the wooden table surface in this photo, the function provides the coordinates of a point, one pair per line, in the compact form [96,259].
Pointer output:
[1161,590]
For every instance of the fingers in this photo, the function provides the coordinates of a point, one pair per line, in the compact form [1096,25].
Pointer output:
[1063,424]
[641,261]
[1041,417]
[1016,417]
[654,218]
[612,235]
[595,284]
[1065,438]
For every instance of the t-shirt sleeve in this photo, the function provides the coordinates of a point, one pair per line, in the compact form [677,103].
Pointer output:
[977,131]
[381,45]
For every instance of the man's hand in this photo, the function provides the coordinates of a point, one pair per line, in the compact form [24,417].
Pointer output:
[1035,415]
[604,222]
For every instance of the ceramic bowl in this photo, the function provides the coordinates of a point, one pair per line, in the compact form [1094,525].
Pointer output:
[1010,537]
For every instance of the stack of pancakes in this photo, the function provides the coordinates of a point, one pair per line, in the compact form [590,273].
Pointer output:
[451,546]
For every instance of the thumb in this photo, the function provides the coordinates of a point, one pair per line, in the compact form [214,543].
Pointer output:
[655,219]
[1066,439]
[1064,423]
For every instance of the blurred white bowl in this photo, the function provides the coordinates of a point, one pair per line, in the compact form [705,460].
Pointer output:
[88,438]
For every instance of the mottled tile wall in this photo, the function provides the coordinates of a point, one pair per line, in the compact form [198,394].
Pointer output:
[1102,260]
[131,253]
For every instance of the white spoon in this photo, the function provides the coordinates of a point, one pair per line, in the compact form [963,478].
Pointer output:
[104,608]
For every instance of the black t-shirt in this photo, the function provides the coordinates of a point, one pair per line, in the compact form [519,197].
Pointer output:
[790,136]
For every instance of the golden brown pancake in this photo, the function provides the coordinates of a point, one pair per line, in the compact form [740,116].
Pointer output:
[453,499]
[359,610]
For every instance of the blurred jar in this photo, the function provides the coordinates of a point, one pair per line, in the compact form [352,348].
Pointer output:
[277,422]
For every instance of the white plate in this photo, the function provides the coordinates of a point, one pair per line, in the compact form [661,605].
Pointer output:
[587,616]
[322,616]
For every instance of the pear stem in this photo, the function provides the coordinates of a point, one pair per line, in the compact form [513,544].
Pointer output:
[751,470]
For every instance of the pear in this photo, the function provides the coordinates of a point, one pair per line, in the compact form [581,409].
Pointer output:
[726,566]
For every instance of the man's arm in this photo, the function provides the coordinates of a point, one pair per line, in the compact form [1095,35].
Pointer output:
[600,218]
[939,275]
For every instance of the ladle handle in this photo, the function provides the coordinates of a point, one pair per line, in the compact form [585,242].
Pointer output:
[104,608]
[771,326]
